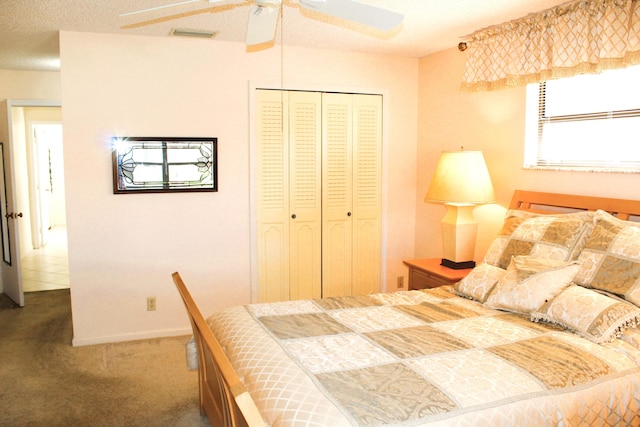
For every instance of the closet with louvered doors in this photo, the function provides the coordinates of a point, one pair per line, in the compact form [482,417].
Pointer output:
[318,194]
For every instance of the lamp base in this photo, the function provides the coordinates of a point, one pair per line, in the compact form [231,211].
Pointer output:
[457,265]
[458,236]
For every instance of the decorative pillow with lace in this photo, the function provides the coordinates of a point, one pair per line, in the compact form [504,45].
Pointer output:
[530,282]
[595,316]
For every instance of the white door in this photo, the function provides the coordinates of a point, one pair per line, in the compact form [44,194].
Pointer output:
[289,197]
[305,196]
[337,194]
[352,164]
[10,213]
[273,197]
[45,136]
[367,194]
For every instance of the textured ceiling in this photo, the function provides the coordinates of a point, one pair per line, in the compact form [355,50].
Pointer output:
[29,28]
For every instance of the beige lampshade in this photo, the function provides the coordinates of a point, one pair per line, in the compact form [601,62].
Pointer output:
[461,177]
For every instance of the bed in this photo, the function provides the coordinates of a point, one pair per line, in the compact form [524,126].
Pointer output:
[541,332]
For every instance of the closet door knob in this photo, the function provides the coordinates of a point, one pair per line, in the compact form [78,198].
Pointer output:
[348,213]
[293,216]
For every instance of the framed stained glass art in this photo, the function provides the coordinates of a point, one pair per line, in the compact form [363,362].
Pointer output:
[158,165]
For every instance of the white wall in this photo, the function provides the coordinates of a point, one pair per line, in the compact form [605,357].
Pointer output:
[494,123]
[123,248]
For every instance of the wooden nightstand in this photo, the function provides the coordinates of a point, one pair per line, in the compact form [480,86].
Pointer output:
[428,273]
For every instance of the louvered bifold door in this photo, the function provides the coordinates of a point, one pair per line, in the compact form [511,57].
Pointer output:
[318,194]
[289,195]
[367,203]
[272,196]
[336,194]
[305,197]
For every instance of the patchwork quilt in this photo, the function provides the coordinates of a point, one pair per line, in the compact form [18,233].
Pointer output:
[423,357]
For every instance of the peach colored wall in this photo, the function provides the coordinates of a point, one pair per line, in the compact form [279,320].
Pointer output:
[123,248]
[21,84]
[494,123]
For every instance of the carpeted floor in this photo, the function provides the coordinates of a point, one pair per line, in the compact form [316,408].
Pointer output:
[44,381]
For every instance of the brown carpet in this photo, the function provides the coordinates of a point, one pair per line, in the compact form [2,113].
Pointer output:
[44,381]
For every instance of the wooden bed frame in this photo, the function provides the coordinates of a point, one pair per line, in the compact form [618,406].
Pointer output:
[223,396]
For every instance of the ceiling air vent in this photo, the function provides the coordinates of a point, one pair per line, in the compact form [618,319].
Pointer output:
[189,32]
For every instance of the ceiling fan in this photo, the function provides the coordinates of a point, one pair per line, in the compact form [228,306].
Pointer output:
[264,14]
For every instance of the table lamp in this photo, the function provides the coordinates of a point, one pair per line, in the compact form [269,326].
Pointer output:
[461,181]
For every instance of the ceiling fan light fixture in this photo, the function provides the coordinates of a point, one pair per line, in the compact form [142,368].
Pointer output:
[268,3]
[190,32]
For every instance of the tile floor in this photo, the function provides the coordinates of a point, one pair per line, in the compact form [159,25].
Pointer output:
[47,268]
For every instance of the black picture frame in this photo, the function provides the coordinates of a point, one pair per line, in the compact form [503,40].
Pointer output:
[164,164]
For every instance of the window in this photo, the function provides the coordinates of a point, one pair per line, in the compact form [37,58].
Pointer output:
[164,164]
[588,122]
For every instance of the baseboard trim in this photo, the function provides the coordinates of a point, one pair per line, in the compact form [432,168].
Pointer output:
[78,342]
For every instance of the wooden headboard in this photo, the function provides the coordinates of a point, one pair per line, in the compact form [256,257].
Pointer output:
[535,201]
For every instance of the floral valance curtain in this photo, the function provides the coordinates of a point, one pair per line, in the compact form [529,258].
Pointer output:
[584,36]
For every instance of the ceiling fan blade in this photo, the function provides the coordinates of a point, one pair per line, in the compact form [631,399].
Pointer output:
[179,11]
[166,6]
[372,16]
[263,21]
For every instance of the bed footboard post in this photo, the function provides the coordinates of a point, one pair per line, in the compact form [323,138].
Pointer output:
[223,397]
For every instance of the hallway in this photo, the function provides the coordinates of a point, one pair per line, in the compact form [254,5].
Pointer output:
[47,268]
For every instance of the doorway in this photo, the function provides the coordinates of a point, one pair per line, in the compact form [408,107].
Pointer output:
[43,237]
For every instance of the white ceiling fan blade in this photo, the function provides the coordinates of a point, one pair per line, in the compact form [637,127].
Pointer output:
[372,16]
[166,6]
[263,21]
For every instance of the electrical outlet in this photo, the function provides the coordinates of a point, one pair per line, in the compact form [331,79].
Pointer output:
[151,303]
[400,282]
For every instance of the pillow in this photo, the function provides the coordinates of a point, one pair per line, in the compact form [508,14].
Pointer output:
[631,336]
[611,258]
[479,282]
[560,237]
[596,317]
[530,282]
